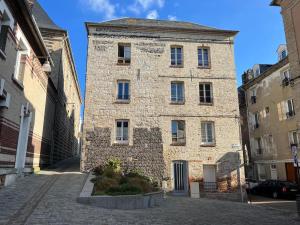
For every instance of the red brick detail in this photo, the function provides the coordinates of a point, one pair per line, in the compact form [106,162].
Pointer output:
[8,136]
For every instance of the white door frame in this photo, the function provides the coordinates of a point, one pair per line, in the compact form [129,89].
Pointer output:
[23,139]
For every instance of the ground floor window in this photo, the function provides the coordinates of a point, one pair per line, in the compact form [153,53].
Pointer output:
[122,131]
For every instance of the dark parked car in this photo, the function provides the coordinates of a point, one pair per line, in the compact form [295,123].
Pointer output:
[276,189]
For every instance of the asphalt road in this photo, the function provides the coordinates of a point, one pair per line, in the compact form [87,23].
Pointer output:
[283,205]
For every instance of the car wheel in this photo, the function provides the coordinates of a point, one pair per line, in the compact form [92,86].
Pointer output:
[275,194]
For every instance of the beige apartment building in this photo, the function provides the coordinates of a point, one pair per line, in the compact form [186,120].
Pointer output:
[29,95]
[271,119]
[160,96]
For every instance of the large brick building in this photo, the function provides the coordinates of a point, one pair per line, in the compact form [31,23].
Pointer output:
[29,96]
[161,96]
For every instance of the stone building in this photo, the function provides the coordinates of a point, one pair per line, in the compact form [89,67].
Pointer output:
[160,96]
[270,115]
[29,97]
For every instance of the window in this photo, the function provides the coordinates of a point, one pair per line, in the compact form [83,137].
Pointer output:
[203,57]
[205,90]
[123,91]
[290,112]
[124,53]
[283,54]
[258,146]
[176,56]
[207,133]
[177,92]
[178,132]
[267,110]
[122,131]
[285,78]
[294,138]
[256,120]
[5,21]
[253,96]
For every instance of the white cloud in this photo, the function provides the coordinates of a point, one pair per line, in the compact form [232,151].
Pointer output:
[140,6]
[173,18]
[102,6]
[146,4]
[153,14]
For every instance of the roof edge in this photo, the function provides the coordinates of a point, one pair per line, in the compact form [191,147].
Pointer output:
[95,24]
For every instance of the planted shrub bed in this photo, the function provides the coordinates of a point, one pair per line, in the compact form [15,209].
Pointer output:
[111,180]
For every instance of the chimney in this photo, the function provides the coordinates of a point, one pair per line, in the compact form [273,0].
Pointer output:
[30,3]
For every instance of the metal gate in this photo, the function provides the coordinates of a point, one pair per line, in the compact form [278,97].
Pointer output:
[180,176]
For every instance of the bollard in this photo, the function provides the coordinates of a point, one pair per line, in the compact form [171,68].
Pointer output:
[298,204]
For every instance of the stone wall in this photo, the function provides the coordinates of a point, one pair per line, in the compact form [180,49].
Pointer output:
[150,111]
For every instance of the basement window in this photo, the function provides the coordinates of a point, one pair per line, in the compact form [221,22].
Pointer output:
[124,54]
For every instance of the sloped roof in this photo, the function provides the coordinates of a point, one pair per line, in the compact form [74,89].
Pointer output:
[150,23]
[42,18]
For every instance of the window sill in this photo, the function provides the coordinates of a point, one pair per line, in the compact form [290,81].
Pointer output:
[120,144]
[174,66]
[206,104]
[204,67]
[208,145]
[178,144]
[177,103]
[122,102]
[18,83]
[2,55]
[123,64]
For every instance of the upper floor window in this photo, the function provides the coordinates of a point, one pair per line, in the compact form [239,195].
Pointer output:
[294,138]
[206,94]
[124,53]
[256,120]
[123,90]
[177,92]
[290,112]
[178,132]
[285,76]
[208,133]
[176,56]
[253,96]
[283,54]
[22,55]
[5,22]
[122,131]
[258,146]
[203,57]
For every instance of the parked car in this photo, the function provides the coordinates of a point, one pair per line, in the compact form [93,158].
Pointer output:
[276,189]
[251,183]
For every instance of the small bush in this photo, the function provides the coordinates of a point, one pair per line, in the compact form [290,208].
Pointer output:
[98,170]
[104,183]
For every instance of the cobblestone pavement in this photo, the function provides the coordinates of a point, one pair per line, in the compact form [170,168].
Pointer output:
[50,198]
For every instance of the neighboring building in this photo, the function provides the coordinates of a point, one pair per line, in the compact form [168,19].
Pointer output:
[27,96]
[270,128]
[291,17]
[64,78]
[160,96]
[39,114]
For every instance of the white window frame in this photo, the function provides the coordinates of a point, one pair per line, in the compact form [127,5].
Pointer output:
[177,99]
[123,59]
[18,63]
[205,96]
[287,108]
[202,56]
[206,142]
[176,55]
[178,140]
[120,139]
[292,137]
[123,82]
[286,74]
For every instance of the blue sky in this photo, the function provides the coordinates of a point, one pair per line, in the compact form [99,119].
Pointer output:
[260,25]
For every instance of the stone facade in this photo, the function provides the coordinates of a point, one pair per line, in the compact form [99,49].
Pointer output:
[150,110]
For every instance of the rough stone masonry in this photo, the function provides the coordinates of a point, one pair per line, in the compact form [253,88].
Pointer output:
[150,111]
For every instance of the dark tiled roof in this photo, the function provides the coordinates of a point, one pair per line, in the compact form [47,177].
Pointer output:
[42,18]
[157,24]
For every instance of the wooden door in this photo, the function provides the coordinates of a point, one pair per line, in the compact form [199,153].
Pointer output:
[291,172]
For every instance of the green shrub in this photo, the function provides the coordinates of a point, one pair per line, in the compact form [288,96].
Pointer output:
[104,183]
[114,164]
[98,170]
[124,189]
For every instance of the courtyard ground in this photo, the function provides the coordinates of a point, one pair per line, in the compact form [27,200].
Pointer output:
[50,198]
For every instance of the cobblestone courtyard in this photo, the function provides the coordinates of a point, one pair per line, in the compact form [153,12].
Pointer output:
[50,198]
